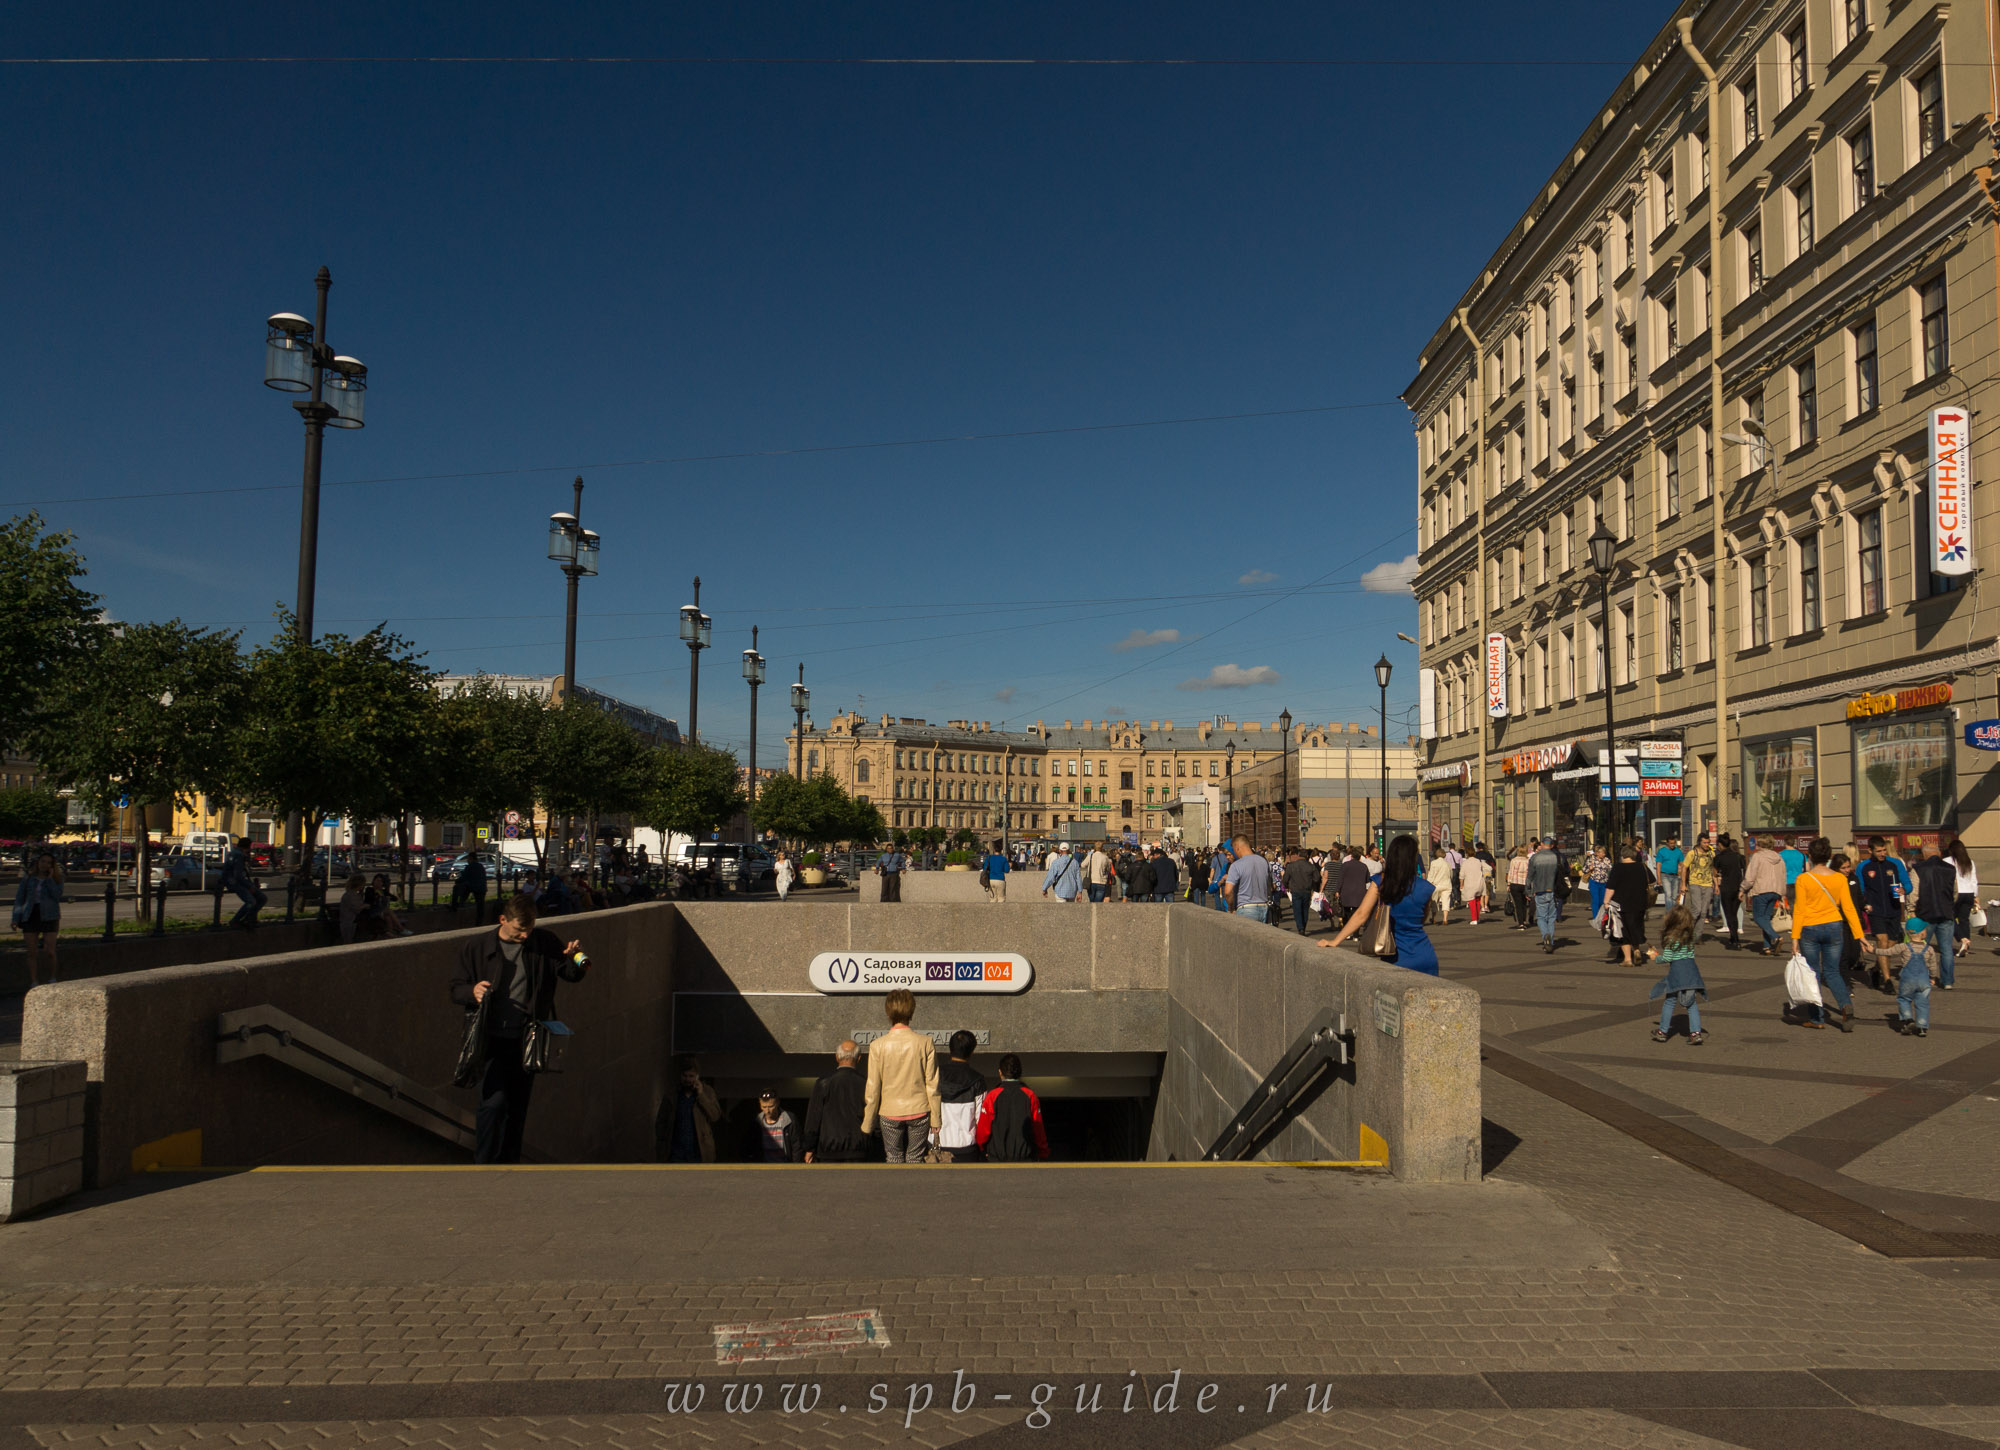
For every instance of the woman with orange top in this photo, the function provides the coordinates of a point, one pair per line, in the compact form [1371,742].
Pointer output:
[1821,904]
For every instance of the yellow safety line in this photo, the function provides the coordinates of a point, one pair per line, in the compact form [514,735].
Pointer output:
[723,1167]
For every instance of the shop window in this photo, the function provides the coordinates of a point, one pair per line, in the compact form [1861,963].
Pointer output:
[1780,784]
[454,837]
[1903,777]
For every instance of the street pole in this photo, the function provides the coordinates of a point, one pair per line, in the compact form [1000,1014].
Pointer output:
[799,719]
[1382,669]
[694,676]
[1610,799]
[573,574]
[315,411]
[750,801]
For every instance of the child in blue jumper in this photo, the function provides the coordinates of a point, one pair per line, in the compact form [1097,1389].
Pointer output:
[1911,963]
[1682,984]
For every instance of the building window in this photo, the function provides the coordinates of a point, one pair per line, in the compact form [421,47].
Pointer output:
[812,761]
[1936,332]
[1670,303]
[1701,155]
[1781,784]
[1809,608]
[899,760]
[1867,392]
[861,771]
[1861,165]
[1795,61]
[1674,629]
[1670,496]
[1854,15]
[1808,381]
[1760,601]
[1627,503]
[1751,133]
[1930,111]
[454,837]
[1870,561]
[1625,247]
[1903,775]
[1669,208]
[1802,212]
[1753,256]
[1124,780]
[1569,665]
[1630,636]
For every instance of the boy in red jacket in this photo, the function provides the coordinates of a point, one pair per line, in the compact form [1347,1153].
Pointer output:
[1010,1119]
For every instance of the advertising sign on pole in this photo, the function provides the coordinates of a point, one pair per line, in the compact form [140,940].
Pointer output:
[1496,676]
[1951,468]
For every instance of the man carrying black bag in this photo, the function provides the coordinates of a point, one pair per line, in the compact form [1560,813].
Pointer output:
[507,980]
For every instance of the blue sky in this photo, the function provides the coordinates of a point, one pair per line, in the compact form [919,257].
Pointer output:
[614,269]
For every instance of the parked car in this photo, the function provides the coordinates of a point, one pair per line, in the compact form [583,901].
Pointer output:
[184,872]
[729,860]
[446,868]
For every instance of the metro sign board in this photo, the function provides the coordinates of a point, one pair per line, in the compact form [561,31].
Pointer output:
[1951,502]
[848,973]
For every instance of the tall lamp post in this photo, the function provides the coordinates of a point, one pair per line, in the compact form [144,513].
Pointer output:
[1603,546]
[801,697]
[695,628]
[573,547]
[298,360]
[753,671]
[1382,669]
[1229,779]
[1284,782]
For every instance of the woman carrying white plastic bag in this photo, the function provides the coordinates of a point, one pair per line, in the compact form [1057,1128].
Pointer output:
[1822,905]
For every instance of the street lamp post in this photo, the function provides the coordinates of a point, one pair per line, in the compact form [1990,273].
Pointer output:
[1382,669]
[1603,546]
[1229,779]
[801,697]
[753,671]
[1284,782]
[695,627]
[298,360]
[574,548]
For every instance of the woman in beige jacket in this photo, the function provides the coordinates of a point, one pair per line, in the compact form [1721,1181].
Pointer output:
[902,1084]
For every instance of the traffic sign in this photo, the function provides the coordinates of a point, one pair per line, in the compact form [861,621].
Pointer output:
[485,833]
[513,818]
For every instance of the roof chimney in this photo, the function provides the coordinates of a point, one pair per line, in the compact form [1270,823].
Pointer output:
[1066,725]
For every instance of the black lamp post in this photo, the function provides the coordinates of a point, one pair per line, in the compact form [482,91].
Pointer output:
[1603,546]
[801,697]
[753,671]
[695,628]
[1285,782]
[298,360]
[1229,779]
[573,547]
[1382,669]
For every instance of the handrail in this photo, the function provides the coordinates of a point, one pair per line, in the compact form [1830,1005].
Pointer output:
[264,1031]
[1326,1043]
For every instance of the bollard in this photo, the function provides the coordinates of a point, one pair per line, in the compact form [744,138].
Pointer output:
[216,924]
[110,910]
[160,912]
[434,892]
[291,889]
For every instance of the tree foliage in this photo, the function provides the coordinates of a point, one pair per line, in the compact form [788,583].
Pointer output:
[31,813]
[45,620]
[591,761]
[489,751]
[816,811]
[690,791]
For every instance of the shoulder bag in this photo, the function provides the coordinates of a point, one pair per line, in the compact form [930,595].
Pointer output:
[543,1045]
[1381,930]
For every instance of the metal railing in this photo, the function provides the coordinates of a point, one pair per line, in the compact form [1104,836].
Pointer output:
[1326,1046]
[264,1031]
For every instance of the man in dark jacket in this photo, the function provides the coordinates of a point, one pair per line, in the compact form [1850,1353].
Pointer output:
[1352,883]
[1139,884]
[1301,877]
[774,1133]
[833,1117]
[1937,906]
[1010,1118]
[960,1087]
[1166,876]
[521,964]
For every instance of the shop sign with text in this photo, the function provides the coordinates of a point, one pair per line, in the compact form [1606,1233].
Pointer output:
[1951,515]
[1541,758]
[1496,676]
[1919,697]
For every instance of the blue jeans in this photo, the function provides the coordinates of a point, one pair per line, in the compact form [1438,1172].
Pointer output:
[1761,907]
[1545,914]
[1942,938]
[1821,946]
[1302,909]
[246,914]
[1097,893]
[1255,910]
[1597,890]
[1913,1004]
[1687,1002]
[1215,894]
[1670,883]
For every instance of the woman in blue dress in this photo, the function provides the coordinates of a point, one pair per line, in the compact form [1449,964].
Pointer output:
[1400,886]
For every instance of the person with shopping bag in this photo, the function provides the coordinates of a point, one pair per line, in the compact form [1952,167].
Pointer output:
[1821,904]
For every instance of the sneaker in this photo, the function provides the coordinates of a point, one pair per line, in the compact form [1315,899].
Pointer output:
[1695,1039]
[1921,1031]
[1659,1036]
[1813,1023]
[1845,1022]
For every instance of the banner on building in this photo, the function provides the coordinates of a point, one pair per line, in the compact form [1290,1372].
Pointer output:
[1427,719]
[1496,676]
[1951,501]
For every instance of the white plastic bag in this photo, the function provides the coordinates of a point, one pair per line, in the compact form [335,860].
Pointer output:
[1801,982]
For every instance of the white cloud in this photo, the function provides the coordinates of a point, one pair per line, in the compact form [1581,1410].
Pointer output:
[1146,639]
[1003,696]
[1392,576]
[1258,576]
[1233,677]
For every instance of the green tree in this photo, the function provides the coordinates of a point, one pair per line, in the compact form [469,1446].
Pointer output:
[489,752]
[593,763]
[46,620]
[31,813]
[690,791]
[330,723]
[817,811]
[147,712]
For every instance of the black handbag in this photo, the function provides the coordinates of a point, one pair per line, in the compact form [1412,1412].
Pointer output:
[472,1051]
[543,1045]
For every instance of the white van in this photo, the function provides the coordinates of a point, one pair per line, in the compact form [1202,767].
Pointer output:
[213,845]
